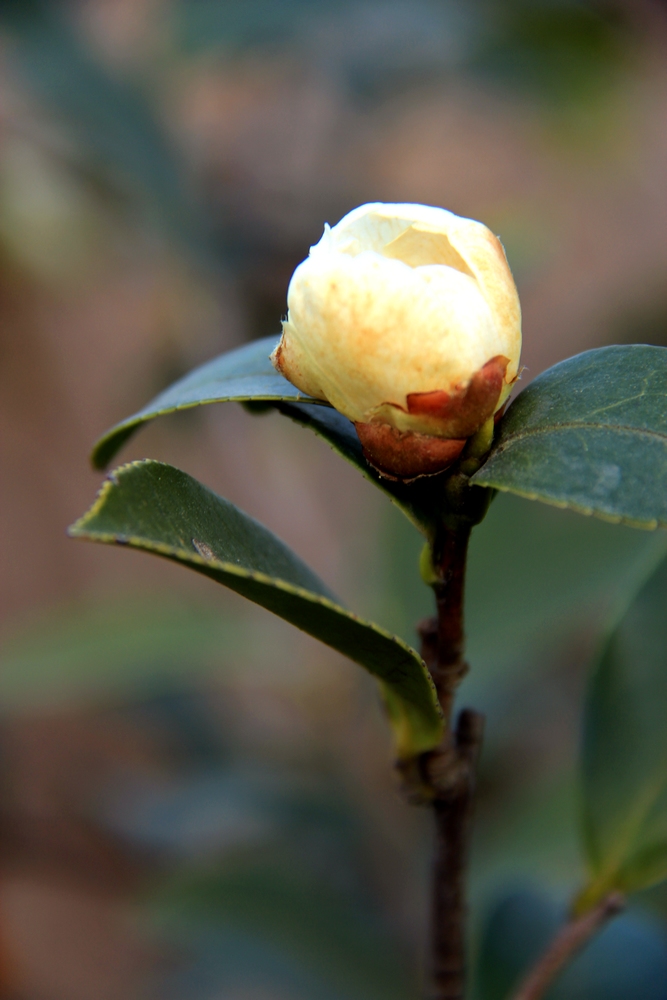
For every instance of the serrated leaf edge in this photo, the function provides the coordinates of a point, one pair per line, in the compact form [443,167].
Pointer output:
[135,421]
[78,530]
[652,525]
[131,423]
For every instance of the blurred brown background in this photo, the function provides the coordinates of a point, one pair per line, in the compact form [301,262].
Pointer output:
[196,801]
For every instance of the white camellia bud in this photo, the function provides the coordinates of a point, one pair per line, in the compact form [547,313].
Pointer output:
[407,320]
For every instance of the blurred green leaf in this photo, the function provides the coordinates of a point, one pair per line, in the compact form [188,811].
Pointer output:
[284,901]
[537,577]
[151,506]
[115,126]
[86,652]
[560,51]
[627,960]
[223,961]
[246,375]
[518,929]
[625,752]
[529,830]
[237,24]
[590,434]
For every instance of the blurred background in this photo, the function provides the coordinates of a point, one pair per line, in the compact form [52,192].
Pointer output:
[197,801]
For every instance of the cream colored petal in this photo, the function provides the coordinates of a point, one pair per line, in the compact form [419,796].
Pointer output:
[421,235]
[374,330]
[374,226]
[290,359]
[485,256]
[419,247]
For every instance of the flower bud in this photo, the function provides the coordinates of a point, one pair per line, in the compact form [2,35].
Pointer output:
[406,319]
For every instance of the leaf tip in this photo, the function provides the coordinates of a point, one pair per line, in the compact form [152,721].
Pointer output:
[79,528]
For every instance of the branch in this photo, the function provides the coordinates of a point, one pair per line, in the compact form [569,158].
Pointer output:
[569,940]
[453,815]
[447,775]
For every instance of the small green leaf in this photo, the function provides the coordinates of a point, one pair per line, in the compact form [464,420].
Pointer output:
[151,506]
[240,375]
[625,751]
[590,434]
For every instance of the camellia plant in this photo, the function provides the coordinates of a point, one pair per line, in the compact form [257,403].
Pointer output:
[401,349]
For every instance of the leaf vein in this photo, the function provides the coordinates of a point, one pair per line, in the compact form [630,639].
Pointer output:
[579,425]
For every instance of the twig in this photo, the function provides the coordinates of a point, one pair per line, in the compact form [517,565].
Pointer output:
[569,940]
[447,774]
[453,815]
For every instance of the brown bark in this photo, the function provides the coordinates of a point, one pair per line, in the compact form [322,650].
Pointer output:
[448,773]
[453,815]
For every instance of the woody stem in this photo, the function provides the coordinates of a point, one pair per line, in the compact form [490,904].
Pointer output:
[449,771]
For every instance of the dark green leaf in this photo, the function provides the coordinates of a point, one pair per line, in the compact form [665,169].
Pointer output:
[540,578]
[222,959]
[590,434]
[247,375]
[625,751]
[155,507]
[241,375]
[518,929]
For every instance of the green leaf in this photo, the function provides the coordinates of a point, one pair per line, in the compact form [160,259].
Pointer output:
[241,375]
[625,751]
[517,930]
[151,506]
[590,434]
[247,375]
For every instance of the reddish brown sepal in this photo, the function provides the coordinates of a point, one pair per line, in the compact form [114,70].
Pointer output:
[404,454]
[459,414]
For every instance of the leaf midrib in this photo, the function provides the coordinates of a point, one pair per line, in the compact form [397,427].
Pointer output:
[617,855]
[578,425]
